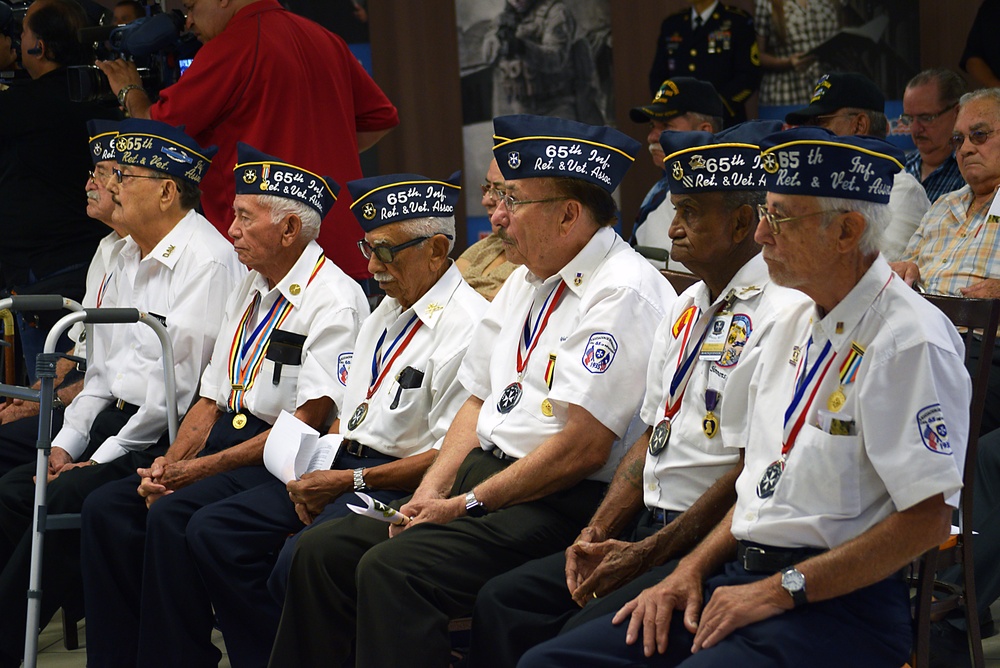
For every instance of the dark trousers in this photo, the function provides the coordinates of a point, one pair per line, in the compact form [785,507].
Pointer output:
[132,556]
[986,520]
[234,543]
[531,604]
[870,627]
[991,411]
[61,554]
[19,440]
[397,596]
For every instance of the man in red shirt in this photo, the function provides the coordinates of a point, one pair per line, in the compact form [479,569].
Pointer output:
[278,82]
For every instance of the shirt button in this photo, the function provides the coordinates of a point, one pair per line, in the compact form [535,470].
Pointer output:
[694,52]
[651,487]
[691,67]
[749,517]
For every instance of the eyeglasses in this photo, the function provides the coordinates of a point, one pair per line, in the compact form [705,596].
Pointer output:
[775,223]
[490,191]
[386,254]
[512,204]
[977,137]
[98,176]
[121,177]
[926,119]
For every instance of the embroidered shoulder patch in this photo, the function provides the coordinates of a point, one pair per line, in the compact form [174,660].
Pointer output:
[344,367]
[600,352]
[739,332]
[683,320]
[933,432]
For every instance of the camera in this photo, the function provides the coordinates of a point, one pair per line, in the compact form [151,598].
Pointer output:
[157,45]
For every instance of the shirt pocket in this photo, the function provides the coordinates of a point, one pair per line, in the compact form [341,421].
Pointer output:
[822,474]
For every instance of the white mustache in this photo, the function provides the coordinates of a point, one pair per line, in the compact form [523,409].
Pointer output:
[383,277]
[655,148]
[94,195]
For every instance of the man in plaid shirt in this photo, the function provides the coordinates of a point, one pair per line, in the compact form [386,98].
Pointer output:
[930,106]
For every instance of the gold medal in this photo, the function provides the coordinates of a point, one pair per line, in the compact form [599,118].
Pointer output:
[710,424]
[546,408]
[239,421]
[836,400]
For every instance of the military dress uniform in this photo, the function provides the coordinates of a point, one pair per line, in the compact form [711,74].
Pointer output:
[722,51]
[531,604]
[407,415]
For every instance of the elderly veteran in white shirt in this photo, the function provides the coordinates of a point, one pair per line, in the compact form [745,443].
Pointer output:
[555,372]
[174,266]
[402,394]
[859,416]
[285,345]
[678,479]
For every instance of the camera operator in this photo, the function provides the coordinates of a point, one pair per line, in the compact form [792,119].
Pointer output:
[48,239]
[281,83]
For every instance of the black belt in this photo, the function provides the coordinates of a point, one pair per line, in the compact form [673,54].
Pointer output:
[766,559]
[501,455]
[124,406]
[358,450]
[662,516]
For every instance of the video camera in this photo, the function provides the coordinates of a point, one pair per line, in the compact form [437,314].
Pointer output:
[11,17]
[156,43]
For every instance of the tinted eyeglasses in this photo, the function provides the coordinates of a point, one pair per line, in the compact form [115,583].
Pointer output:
[775,223]
[386,254]
[977,137]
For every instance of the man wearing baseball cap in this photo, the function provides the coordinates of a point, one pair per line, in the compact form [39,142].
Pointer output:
[848,103]
[555,374]
[683,104]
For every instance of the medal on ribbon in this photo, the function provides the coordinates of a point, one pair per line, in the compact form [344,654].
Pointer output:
[661,436]
[380,367]
[710,423]
[848,374]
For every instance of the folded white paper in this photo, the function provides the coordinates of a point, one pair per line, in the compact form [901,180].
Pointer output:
[294,448]
[378,510]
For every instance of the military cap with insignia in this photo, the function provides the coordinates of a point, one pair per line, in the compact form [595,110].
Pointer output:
[380,200]
[547,147]
[677,96]
[729,160]
[162,147]
[839,90]
[813,161]
[102,139]
[258,173]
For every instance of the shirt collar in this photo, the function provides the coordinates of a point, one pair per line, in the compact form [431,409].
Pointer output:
[705,15]
[173,244]
[431,305]
[292,285]
[255,8]
[838,325]
[578,271]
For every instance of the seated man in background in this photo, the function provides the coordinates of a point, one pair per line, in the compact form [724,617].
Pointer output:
[682,104]
[19,421]
[285,344]
[484,264]
[174,266]
[402,394]
[555,375]
[679,478]
[847,103]
[930,107]
[836,495]
[955,249]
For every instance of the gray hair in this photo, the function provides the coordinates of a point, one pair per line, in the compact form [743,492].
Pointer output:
[950,86]
[428,227]
[878,124]
[281,207]
[876,217]
[714,121]
[991,94]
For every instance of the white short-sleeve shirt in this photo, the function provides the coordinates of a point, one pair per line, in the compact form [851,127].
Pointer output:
[327,311]
[678,475]
[909,405]
[405,416]
[593,352]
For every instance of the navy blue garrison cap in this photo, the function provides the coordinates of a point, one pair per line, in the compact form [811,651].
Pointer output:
[102,139]
[814,161]
[546,147]
[730,160]
[163,148]
[381,200]
[258,173]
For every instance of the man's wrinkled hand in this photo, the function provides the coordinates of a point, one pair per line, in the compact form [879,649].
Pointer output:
[732,608]
[908,271]
[435,511]
[316,489]
[986,289]
[649,614]
[119,73]
[609,565]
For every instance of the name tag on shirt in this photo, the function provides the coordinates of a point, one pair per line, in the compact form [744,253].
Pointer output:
[715,339]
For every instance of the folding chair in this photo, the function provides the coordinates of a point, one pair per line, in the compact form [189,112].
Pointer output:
[46,367]
[934,598]
[679,280]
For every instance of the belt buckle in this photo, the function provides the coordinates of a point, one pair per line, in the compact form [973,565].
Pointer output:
[750,556]
[354,448]
[120,404]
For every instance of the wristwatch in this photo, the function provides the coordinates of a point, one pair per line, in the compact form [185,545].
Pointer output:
[123,93]
[359,480]
[794,582]
[473,506]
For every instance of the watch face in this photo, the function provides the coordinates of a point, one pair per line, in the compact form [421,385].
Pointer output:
[793,580]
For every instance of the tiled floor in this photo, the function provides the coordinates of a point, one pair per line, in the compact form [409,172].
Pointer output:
[54,655]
